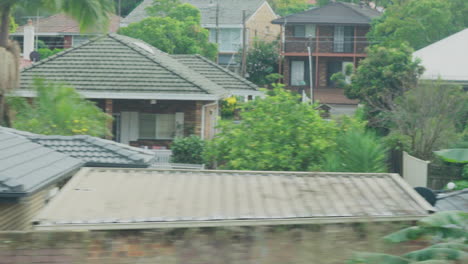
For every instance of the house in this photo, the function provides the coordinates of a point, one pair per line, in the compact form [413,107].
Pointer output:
[184,198]
[60,31]
[320,42]
[446,59]
[223,18]
[28,173]
[152,96]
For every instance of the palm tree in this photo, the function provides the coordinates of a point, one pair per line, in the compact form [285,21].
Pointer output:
[89,14]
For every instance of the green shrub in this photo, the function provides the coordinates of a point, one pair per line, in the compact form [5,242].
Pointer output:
[188,150]
[45,53]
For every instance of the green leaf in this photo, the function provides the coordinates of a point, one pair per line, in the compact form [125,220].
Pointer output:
[406,234]
[453,155]
[436,253]
[376,258]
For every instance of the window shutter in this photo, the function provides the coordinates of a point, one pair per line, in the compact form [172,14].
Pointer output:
[310,31]
[179,123]
[129,127]
[297,73]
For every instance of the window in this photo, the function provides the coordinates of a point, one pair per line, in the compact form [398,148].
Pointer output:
[78,40]
[297,73]
[343,39]
[304,31]
[229,39]
[157,126]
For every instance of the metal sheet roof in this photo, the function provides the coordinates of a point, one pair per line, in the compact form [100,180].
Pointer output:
[332,13]
[145,198]
[457,200]
[26,166]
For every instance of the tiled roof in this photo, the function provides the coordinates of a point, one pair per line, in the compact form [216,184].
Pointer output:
[97,152]
[65,25]
[113,64]
[229,11]
[219,75]
[26,166]
[446,59]
[147,198]
[332,13]
[457,200]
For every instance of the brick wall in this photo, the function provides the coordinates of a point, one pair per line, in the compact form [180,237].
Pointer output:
[260,26]
[273,245]
[361,39]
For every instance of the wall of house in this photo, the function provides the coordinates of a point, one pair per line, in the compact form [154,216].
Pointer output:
[318,244]
[18,215]
[259,25]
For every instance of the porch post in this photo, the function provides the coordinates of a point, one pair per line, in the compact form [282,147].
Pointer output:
[108,108]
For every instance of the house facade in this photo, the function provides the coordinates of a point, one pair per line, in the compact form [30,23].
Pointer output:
[60,31]
[224,20]
[152,96]
[320,42]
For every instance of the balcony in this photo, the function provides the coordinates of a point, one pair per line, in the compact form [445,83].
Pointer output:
[326,45]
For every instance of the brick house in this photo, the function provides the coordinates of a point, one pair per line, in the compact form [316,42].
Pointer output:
[320,42]
[223,18]
[61,31]
[152,96]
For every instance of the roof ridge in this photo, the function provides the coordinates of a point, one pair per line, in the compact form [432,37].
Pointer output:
[60,54]
[176,71]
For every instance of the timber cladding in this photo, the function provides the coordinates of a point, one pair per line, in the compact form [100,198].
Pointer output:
[331,243]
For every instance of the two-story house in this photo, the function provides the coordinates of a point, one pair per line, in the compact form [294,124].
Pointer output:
[224,20]
[320,42]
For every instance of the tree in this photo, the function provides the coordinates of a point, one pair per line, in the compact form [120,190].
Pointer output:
[179,32]
[58,110]
[286,7]
[357,149]
[262,60]
[384,75]
[275,133]
[126,6]
[419,22]
[89,13]
[447,232]
[426,117]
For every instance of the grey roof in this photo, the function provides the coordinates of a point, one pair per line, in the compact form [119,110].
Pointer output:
[230,11]
[148,198]
[332,13]
[219,75]
[114,64]
[97,152]
[446,59]
[457,200]
[26,166]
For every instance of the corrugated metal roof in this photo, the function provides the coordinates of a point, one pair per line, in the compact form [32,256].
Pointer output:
[119,64]
[26,166]
[144,198]
[457,200]
[229,11]
[332,13]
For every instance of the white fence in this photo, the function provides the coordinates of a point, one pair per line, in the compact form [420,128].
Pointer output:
[415,171]
[163,161]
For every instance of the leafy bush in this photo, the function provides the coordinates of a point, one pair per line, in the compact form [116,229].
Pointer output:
[228,107]
[45,53]
[188,150]
[58,110]
[275,133]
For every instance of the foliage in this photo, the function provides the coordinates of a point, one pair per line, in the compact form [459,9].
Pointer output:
[262,61]
[162,7]
[58,110]
[357,150]
[425,116]
[446,231]
[419,22]
[179,32]
[453,155]
[287,7]
[228,107]
[275,133]
[384,75]
[45,53]
[13,25]
[188,150]
[461,184]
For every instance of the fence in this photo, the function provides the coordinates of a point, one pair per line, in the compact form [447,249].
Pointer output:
[440,175]
[163,161]
[415,171]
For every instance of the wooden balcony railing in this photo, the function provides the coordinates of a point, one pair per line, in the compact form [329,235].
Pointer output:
[326,45]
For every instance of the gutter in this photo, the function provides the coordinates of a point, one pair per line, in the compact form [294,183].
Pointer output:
[223,223]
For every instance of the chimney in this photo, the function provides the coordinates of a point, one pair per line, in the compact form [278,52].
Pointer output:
[28,40]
